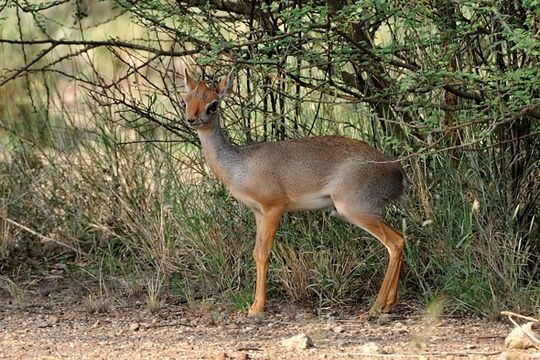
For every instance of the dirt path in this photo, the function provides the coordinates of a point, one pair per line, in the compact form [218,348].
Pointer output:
[182,332]
[48,329]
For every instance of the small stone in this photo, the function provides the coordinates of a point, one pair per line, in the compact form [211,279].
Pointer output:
[337,329]
[300,341]
[42,324]
[95,325]
[134,327]
[517,339]
[399,326]
[53,319]
[371,348]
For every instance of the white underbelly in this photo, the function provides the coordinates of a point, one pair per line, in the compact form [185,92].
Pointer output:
[309,202]
[294,202]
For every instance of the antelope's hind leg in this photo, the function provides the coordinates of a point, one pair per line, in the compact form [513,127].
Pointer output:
[393,241]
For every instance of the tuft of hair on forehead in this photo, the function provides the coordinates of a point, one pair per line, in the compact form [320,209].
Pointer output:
[203,87]
[210,84]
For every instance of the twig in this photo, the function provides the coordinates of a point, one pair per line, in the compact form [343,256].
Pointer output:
[99,43]
[510,313]
[43,237]
[249,348]
[20,71]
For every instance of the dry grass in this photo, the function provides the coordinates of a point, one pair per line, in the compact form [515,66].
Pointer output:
[18,294]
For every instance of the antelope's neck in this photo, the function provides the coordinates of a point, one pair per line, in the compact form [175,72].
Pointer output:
[222,157]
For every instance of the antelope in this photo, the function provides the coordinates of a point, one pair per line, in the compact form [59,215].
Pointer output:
[272,178]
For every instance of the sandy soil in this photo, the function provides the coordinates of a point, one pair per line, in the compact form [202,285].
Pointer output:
[60,324]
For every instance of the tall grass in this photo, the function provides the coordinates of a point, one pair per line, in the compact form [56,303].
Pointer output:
[469,252]
[136,211]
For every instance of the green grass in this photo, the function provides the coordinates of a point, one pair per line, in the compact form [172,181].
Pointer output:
[136,212]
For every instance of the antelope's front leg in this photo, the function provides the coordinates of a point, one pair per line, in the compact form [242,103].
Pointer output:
[267,225]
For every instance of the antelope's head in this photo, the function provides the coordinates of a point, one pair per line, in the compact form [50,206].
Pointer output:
[201,104]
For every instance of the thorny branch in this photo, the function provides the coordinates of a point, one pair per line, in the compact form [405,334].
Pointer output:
[344,85]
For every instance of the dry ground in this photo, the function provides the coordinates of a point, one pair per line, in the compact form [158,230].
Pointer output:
[57,322]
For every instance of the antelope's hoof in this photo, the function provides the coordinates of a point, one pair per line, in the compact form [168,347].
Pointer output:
[378,309]
[255,315]
[375,310]
[255,312]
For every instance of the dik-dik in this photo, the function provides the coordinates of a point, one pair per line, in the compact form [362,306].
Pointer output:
[272,178]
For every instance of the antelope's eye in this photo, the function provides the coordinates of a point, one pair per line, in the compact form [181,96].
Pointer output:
[183,104]
[212,107]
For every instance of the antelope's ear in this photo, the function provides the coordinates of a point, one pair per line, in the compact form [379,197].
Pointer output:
[225,86]
[188,80]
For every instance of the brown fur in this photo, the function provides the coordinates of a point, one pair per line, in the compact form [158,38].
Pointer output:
[275,177]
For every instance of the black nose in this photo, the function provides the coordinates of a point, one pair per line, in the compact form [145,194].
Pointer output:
[191,121]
